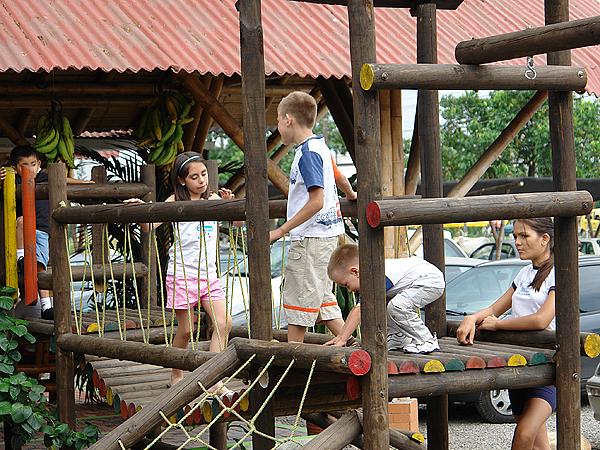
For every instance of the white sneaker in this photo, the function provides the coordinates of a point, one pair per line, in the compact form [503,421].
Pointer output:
[424,348]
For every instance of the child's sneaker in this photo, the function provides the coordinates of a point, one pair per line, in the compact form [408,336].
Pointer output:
[424,348]
[48,314]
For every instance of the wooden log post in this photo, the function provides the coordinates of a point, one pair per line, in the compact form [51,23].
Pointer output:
[170,401]
[566,269]
[339,434]
[532,41]
[453,76]
[206,119]
[382,213]
[11,133]
[257,208]
[148,294]
[367,146]
[400,234]
[413,166]
[65,388]
[431,186]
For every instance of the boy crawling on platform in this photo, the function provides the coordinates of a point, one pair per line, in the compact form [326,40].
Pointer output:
[411,283]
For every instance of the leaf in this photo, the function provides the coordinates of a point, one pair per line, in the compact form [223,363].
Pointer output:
[20,413]
[6,368]
[4,385]
[6,303]
[14,392]
[29,338]
[4,342]
[36,420]
[5,408]
[19,330]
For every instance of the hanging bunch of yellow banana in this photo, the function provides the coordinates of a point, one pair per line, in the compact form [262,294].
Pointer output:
[54,137]
[161,127]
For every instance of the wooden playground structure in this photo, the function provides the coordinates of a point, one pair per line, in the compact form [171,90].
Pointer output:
[284,378]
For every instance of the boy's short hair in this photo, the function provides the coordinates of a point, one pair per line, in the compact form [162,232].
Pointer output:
[301,106]
[342,257]
[22,151]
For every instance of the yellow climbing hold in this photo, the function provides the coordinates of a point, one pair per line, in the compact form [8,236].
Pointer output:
[591,345]
[517,361]
[367,76]
[92,328]
[434,366]
[109,396]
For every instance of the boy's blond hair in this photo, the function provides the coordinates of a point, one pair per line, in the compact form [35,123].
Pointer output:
[342,257]
[301,106]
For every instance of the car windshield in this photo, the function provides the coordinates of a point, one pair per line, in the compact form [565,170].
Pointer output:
[479,287]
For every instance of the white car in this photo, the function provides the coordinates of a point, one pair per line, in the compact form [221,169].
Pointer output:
[593,390]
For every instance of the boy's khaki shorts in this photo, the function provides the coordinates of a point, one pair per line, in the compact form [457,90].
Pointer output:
[307,296]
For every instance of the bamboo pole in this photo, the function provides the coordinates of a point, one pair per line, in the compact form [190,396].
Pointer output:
[387,174]
[10,229]
[400,235]
[532,41]
[62,296]
[367,143]
[453,76]
[413,167]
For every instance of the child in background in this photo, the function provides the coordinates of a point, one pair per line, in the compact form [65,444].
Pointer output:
[192,273]
[314,220]
[531,298]
[411,283]
[24,157]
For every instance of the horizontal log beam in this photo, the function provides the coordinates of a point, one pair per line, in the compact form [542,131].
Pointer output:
[440,4]
[384,213]
[348,360]
[53,90]
[100,271]
[589,342]
[173,357]
[87,101]
[90,193]
[529,42]
[453,76]
[179,211]
[433,384]
[339,434]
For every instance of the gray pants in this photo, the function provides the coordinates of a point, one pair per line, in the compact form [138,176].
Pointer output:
[405,325]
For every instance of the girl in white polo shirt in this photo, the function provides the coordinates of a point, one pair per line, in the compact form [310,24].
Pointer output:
[531,297]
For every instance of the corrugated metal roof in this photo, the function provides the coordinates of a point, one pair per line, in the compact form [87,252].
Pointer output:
[203,35]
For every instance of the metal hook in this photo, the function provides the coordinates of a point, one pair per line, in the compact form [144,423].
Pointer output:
[530,73]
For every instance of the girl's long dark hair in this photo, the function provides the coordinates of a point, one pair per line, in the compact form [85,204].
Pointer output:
[181,168]
[541,225]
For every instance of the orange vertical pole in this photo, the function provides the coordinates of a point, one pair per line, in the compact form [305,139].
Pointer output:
[28,202]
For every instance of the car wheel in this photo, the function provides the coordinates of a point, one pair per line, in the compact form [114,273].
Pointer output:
[494,406]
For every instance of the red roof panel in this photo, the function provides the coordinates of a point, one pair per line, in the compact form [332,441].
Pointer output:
[203,35]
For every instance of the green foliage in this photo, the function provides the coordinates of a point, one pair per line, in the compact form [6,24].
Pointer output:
[471,123]
[23,405]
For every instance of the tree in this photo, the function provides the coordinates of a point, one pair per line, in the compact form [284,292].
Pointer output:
[471,123]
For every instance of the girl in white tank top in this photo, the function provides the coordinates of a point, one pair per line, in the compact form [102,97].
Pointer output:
[191,273]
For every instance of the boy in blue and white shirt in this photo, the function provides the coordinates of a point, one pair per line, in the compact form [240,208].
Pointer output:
[314,220]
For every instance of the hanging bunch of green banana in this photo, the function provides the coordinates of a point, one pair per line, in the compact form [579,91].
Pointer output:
[54,137]
[161,127]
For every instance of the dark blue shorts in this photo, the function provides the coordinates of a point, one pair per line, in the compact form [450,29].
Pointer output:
[518,397]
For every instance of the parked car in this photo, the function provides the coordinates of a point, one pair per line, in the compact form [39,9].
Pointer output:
[456,265]
[593,391]
[480,286]
[488,251]
[451,249]
[589,246]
